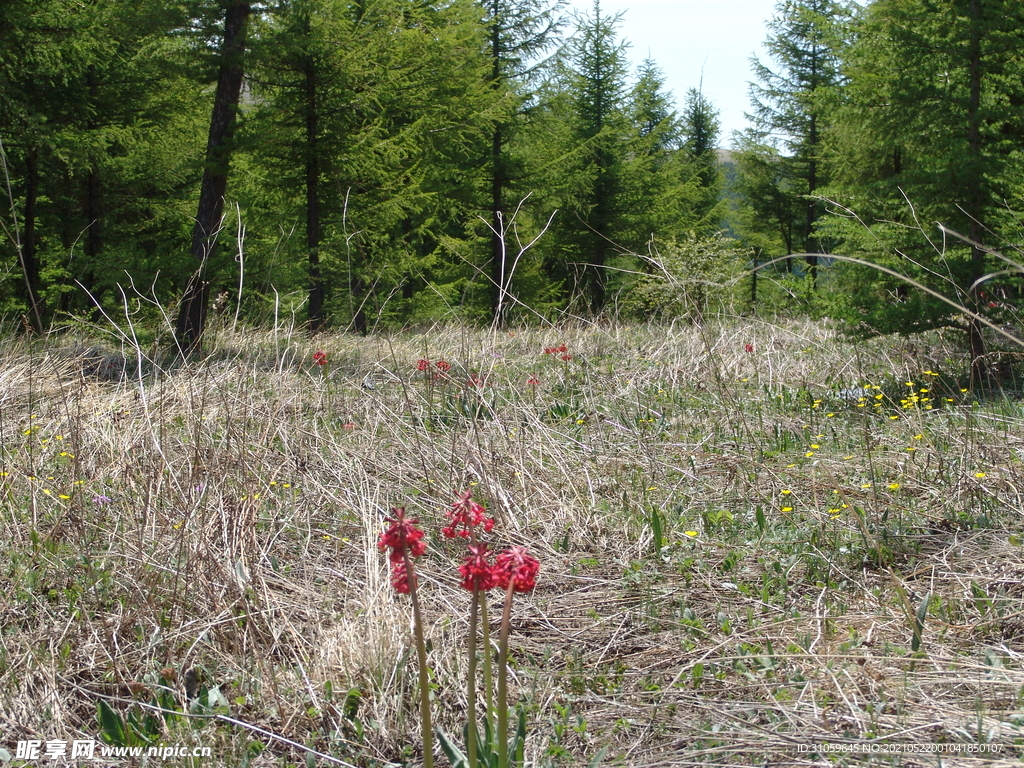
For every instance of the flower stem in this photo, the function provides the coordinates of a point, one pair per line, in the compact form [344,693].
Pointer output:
[506,622]
[471,685]
[488,678]
[421,654]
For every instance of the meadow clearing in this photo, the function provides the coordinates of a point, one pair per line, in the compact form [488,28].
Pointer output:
[760,543]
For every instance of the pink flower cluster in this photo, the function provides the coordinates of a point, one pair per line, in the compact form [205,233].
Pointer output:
[320,357]
[561,350]
[423,365]
[514,566]
[404,538]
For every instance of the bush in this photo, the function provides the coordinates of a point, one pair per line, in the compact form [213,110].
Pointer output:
[688,279]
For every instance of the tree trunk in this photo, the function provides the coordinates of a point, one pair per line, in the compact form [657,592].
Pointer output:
[316,285]
[192,313]
[973,185]
[29,259]
[498,277]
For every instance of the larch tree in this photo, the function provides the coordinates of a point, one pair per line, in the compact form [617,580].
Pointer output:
[790,107]
[930,131]
[595,87]
[191,321]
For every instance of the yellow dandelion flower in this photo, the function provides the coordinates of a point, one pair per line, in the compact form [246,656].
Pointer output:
[979,474]
[785,492]
[894,486]
[787,509]
[815,446]
[691,534]
[63,496]
[809,454]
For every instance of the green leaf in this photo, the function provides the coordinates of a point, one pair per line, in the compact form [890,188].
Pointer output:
[111,725]
[596,759]
[659,540]
[453,753]
[762,524]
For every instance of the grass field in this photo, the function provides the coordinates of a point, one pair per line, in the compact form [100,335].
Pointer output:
[759,543]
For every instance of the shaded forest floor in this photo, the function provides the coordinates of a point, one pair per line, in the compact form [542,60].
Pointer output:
[759,542]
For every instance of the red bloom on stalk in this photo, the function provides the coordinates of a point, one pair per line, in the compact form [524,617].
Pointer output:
[476,572]
[443,366]
[516,566]
[400,577]
[422,365]
[320,357]
[464,515]
[475,381]
[749,348]
[402,535]
[533,381]
[567,358]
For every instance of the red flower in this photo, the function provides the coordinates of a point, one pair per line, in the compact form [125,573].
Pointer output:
[443,366]
[518,566]
[533,381]
[567,358]
[464,515]
[320,357]
[749,348]
[422,365]
[476,572]
[400,577]
[475,381]
[402,535]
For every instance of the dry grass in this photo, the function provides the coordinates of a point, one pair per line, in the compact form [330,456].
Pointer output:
[214,527]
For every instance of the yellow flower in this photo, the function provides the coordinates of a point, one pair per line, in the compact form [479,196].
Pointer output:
[785,492]
[815,445]
[809,454]
[787,509]
[894,486]
[979,474]
[691,534]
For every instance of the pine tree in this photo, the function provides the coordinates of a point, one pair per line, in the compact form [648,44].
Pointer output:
[700,127]
[790,111]
[99,146]
[373,130]
[932,116]
[220,145]
[518,32]
[595,92]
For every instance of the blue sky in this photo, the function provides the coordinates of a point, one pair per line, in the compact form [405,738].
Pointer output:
[685,38]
